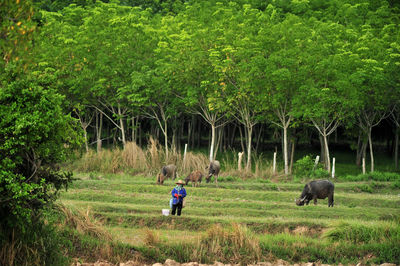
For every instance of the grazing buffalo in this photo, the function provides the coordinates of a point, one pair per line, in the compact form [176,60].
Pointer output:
[195,177]
[319,189]
[168,171]
[213,169]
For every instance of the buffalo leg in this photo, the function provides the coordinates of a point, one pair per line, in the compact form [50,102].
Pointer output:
[330,202]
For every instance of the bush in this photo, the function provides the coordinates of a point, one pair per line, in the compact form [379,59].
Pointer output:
[396,184]
[375,176]
[365,188]
[34,134]
[304,167]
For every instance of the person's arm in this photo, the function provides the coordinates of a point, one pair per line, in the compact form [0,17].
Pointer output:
[175,194]
[183,192]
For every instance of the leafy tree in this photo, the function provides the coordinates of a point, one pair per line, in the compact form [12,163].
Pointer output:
[327,98]
[235,57]
[283,65]
[373,90]
[16,28]
[33,134]
[189,68]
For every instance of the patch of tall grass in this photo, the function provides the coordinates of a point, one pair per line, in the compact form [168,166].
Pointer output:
[357,233]
[83,222]
[80,235]
[374,176]
[231,244]
[134,160]
[38,244]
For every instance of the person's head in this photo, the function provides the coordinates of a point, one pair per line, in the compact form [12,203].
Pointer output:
[180,183]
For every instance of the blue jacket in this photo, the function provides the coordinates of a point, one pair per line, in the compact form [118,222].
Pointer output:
[178,199]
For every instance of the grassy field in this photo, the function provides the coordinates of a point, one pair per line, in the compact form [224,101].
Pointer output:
[244,221]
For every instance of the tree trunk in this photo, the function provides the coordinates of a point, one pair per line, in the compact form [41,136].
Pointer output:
[140,135]
[241,138]
[370,150]
[292,156]
[327,157]
[218,144]
[121,124]
[359,150]
[189,132]
[174,137]
[212,142]
[166,140]
[249,133]
[259,137]
[135,121]
[285,150]
[232,139]
[99,126]
[86,139]
[396,149]
[321,141]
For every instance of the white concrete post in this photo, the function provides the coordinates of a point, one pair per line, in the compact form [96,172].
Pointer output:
[363,165]
[240,155]
[274,165]
[184,157]
[333,167]
[316,161]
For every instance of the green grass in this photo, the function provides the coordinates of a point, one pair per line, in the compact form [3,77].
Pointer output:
[362,227]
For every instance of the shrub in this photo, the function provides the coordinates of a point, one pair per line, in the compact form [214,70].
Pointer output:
[33,131]
[396,184]
[375,176]
[365,188]
[305,167]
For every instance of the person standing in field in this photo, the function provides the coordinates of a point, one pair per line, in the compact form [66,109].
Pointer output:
[178,194]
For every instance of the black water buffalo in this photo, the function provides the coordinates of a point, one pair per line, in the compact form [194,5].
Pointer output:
[213,169]
[195,177]
[319,189]
[168,171]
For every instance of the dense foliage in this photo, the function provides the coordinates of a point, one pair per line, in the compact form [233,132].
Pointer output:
[35,131]
[242,73]
[308,68]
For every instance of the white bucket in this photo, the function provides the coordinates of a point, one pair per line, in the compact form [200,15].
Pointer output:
[165,212]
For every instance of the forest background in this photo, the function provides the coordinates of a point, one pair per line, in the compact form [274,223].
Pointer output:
[221,76]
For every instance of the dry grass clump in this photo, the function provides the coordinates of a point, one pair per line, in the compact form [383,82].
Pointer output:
[134,157]
[84,222]
[228,245]
[105,161]
[194,161]
[151,239]
[135,160]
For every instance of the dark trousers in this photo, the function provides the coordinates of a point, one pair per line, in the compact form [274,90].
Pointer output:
[177,206]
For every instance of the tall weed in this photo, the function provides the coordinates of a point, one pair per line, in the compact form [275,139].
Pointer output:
[233,245]
[360,234]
